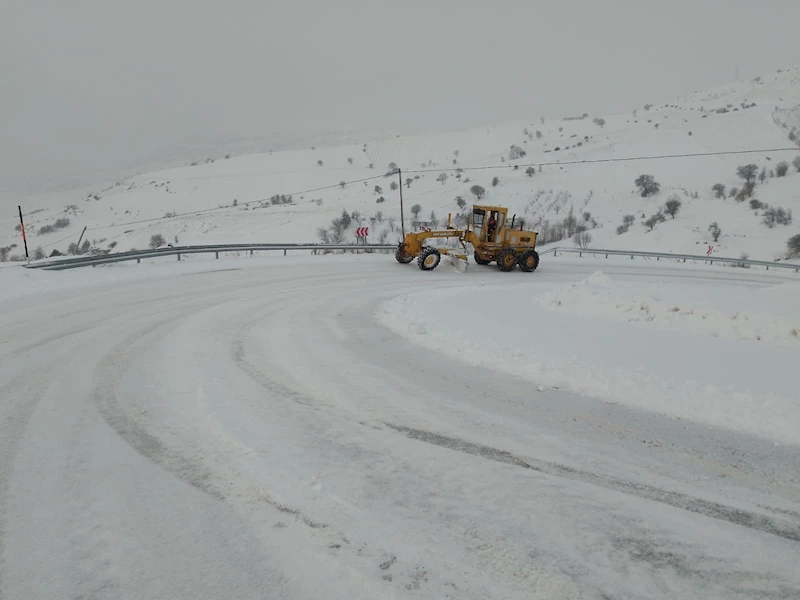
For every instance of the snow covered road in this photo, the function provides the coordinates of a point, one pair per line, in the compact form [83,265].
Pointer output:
[251,429]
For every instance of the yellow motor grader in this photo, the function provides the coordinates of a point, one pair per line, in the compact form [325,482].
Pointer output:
[490,234]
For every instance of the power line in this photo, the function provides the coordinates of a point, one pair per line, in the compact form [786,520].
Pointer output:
[57,242]
[606,160]
[216,208]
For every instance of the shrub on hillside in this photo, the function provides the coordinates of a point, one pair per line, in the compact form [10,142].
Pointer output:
[156,240]
[781,169]
[796,163]
[38,254]
[516,152]
[599,122]
[715,230]
[793,245]
[719,190]
[393,186]
[756,204]
[461,202]
[647,185]
[733,192]
[777,216]
[495,181]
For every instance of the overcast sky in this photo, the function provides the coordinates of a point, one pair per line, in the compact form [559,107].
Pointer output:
[89,86]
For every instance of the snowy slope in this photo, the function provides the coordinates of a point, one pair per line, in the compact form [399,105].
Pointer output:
[690,124]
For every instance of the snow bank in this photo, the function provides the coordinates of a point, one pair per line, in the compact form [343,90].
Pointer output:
[677,307]
[727,356]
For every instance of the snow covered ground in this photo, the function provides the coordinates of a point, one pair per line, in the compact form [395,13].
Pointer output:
[347,427]
[719,350]
[230,199]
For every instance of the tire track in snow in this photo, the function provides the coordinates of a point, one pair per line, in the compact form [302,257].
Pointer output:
[708,508]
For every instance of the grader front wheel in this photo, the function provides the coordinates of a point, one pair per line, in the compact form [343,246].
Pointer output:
[479,260]
[506,259]
[429,259]
[402,256]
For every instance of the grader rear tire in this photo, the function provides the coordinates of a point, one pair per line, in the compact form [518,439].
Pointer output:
[429,259]
[481,261]
[506,259]
[528,261]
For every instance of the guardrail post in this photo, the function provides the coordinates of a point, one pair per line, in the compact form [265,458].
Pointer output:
[284,251]
[179,257]
[251,253]
[580,254]
[555,253]
[631,256]
[217,253]
[138,261]
[606,255]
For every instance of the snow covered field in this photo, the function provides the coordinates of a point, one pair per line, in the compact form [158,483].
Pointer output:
[223,200]
[347,427]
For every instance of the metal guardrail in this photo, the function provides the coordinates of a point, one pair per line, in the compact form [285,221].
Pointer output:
[138,255]
[677,257]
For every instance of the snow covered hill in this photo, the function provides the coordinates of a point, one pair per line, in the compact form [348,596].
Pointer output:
[275,197]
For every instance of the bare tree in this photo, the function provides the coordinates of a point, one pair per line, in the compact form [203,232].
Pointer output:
[350,161]
[156,240]
[378,189]
[478,191]
[409,181]
[530,171]
[673,205]
[582,239]
[442,177]
[652,222]
[796,163]
[747,172]
[599,122]
[495,181]
[715,230]
[719,190]
[461,202]
[393,186]
[415,210]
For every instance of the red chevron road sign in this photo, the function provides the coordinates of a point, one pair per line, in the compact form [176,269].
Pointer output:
[362,232]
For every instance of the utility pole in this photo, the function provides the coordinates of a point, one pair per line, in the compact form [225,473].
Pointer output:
[24,237]
[402,214]
[80,238]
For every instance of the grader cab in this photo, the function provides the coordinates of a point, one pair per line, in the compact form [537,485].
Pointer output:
[489,232]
